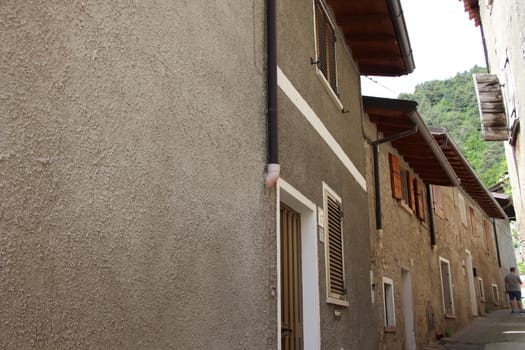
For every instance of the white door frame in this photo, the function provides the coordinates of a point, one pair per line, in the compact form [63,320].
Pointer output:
[408,309]
[287,194]
[471,286]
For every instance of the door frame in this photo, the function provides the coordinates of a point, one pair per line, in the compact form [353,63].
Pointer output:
[293,198]
[472,287]
[408,309]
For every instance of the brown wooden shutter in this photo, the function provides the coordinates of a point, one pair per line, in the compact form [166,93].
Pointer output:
[436,198]
[420,208]
[336,280]
[411,191]
[395,176]
[491,107]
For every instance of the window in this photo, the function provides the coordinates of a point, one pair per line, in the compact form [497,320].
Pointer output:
[495,294]
[334,253]
[462,209]
[388,298]
[508,91]
[446,287]
[481,289]
[406,187]
[472,220]
[438,203]
[325,45]
[488,238]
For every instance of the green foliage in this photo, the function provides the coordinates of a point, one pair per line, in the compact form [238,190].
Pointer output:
[452,104]
[521,268]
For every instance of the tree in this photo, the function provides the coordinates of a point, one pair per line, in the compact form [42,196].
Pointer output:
[452,104]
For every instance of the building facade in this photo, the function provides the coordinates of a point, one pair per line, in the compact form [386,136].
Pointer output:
[134,211]
[501,24]
[436,247]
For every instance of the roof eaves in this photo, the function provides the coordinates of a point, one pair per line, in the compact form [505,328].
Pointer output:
[451,144]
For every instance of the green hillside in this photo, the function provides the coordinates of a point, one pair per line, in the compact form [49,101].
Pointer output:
[452,104]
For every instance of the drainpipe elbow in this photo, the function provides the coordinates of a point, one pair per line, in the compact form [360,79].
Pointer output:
[272,174]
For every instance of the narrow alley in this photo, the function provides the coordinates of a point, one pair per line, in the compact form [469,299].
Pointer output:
[499,330]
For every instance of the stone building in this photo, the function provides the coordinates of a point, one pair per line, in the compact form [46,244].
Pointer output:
[435,248]
[501,92]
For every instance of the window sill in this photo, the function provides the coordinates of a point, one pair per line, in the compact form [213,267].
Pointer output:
[405,206]
[450,316]
[328,89]
[338,302]
[390,329]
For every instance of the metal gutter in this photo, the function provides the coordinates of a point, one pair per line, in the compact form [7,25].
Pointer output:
[273,167]
[398,21]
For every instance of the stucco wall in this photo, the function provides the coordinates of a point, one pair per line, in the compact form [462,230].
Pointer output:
[307,161]
[133,213]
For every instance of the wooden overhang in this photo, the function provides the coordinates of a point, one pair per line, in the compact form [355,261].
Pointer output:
[419,150]
[376,33]
[491,107]
[472,8]
[468,177]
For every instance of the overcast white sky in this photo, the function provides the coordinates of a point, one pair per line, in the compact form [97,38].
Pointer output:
[444,42]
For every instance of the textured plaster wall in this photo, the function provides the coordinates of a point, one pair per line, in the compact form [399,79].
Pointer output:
[307,162]
[132,147]
[503,25]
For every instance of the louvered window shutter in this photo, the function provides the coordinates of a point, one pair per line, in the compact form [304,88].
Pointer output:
[331,59]
[336,276]
[395,176]
[325,35]
[322,24]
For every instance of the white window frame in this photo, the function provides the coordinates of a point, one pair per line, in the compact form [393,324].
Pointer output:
[389,308]
[443,260]
[326,84]
[333,298]
[508,90]
[481,290]
[495,296]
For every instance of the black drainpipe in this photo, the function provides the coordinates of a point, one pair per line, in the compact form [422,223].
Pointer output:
[496,239]
[431,218]
[272,171]
[375,148]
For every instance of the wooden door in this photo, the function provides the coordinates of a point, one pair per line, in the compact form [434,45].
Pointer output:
[291,280]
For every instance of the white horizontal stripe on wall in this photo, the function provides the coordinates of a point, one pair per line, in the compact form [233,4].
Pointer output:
[289,90]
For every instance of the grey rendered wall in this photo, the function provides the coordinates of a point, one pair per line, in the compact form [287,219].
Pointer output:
[132,146]
[307,162]
[503,23]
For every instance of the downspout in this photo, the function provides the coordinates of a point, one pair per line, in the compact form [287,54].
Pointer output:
[272,168]
[431,219]
[375,147]
[496,240]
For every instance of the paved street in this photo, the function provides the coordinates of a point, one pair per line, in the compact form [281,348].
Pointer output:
[500,330]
